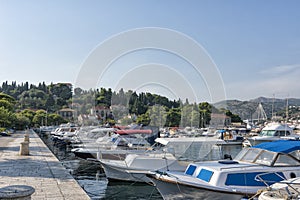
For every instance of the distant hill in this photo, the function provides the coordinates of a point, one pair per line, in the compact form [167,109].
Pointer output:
[245,109]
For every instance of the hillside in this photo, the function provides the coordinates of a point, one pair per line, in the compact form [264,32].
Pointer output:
[245,109]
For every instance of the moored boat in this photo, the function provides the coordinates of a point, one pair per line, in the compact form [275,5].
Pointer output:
[286,189]
[249,172]
[116,143]
[230,137]
[135,166]
[272,132]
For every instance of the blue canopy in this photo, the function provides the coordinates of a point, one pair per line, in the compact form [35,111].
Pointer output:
[280,146]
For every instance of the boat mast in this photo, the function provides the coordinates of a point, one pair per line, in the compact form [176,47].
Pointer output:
[286,113]
[287,110]
[260,112]
[273,108]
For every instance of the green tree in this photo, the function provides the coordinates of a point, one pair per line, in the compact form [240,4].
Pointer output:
[7,118]
[143,119]
[39,118]
[55,119]
[33,98]
[104,97]
[50,103]
[78,91]
[7,97]
[6,104]
[21,121]
[28,114]
[234,117]
[173,117]
[133,103]
[61,90]
[195,116]
[157,115]
[205,110]
[61,93]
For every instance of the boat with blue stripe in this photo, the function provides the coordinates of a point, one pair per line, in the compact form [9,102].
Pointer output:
[253,169]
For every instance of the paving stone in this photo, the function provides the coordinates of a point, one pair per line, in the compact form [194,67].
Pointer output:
[40,170]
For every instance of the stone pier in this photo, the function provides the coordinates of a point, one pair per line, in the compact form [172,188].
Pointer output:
[40,170]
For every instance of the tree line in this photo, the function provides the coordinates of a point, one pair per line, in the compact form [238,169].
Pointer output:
[23,105]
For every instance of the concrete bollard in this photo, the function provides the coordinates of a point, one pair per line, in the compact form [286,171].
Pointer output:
[24,149]
[16,192]
[26,137]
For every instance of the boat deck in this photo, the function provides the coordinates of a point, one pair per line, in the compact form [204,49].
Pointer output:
[228,167]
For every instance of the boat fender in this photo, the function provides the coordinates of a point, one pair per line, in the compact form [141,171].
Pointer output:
[228,162]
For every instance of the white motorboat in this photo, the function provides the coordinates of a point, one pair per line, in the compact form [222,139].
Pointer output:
[118,142]
[63,130]
[135,166]
[272,132]
[249,172]
[230,137]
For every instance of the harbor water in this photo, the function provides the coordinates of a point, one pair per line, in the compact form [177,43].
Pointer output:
[92,179]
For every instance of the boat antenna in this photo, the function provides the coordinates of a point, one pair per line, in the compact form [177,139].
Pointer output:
[286,113]
[287,110]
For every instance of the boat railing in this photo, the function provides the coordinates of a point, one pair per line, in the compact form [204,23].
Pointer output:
[291,185]
[259,177]
[290,188]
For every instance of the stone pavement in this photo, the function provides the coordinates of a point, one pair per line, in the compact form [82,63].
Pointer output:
[41,170]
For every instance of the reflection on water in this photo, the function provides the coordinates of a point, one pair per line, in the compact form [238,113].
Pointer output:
[92,179]
[118,190]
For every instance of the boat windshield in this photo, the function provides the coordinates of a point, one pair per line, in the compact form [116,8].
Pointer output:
[265,158]
[274,133]
[268,133]
[296,154]
[258,156]
[268,158]
[248,155]
[285,160]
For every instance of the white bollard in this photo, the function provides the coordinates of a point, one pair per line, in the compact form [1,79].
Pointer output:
[24,149]
[26,137]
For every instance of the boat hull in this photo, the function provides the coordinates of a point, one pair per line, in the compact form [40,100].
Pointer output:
[135,167]
[174,191]
[114,173]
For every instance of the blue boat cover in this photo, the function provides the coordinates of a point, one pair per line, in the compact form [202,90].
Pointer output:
[280,146]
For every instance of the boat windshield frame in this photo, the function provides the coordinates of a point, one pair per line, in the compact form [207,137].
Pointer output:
[267,158]
[275,133]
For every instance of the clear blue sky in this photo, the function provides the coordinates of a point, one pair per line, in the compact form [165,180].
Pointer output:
[254,44]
